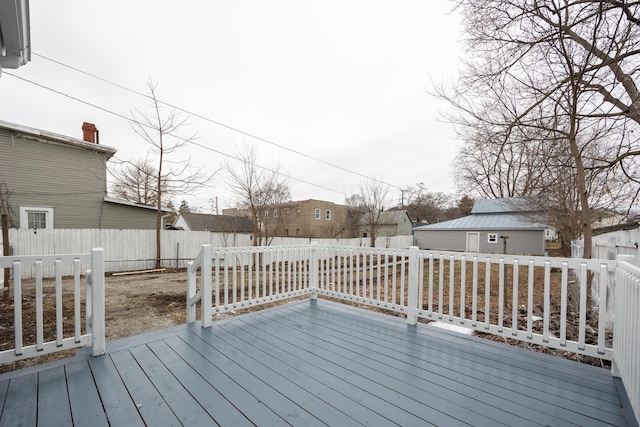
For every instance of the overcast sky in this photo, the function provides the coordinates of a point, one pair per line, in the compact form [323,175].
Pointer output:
[345,82]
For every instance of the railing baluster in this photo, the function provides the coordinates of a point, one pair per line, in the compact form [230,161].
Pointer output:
[583,306]
[500,295]
[39,314]
[431,271]
[76,300]
[240,271]
[59,320]
[403,257]
[530,299]
[474,300]
[516,294]
[547,302]
[604,284]
[463,288]
[394,271]
[17,306]
[563,306]
[420,280]
[487,293]
[440,285]
[451,286]
[378,275]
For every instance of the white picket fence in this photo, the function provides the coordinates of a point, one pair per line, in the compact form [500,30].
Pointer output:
[94,310]
[130,250]
[419,283]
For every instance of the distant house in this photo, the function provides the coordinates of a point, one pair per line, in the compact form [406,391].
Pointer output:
[52,181]
[309,219]
[392,223]
[214,223]
[494,226]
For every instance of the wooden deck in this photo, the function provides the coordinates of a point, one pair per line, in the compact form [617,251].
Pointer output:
[310,363]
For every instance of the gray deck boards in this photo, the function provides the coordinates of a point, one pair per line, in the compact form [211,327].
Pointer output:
[310,363]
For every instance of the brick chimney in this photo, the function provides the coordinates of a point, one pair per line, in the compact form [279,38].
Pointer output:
[90,133]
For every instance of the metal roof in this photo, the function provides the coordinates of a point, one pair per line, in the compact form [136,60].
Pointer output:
[497,221]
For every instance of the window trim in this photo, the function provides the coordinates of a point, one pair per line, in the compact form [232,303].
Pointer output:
[317,213]
[327,214]
[492,237]
[26,210]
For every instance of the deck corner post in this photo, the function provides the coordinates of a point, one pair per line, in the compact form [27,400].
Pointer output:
[191,291]
[412,297]
[313,273]
[97,302]
[207,301]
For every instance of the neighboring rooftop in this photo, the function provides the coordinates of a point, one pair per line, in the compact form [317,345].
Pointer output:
[493,214]
[63,139]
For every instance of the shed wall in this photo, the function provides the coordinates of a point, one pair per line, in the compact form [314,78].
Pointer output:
[529,242]
[127,217]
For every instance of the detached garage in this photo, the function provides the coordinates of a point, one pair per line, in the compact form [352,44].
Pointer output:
[494,226]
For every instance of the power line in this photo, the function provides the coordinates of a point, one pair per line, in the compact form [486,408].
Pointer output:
[175,136]
[217,122]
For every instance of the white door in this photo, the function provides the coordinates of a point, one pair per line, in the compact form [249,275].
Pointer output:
[473,241]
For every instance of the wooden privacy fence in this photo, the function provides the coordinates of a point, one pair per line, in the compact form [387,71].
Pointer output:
[28,340]
[526,298]
[130,250]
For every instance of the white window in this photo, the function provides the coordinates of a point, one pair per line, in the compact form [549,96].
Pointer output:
[317,213]
[275,213]
[328,214]
[36,218]
[492,238]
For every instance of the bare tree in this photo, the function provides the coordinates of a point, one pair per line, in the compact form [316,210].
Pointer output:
[160,130]
[257,188]
[544,79]
[371,201]
[137,182]
[5,205]
[424,205]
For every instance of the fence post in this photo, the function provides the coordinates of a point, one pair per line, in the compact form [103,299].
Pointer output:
[412,297]
[207,311]
[313,271]
[97,301]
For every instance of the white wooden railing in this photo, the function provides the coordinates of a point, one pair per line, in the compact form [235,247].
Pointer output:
[538,300]
[94,328]
[237,278]
[626,339]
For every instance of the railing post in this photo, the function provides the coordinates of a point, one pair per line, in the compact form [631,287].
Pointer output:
[207,311]
[313,271]
[191,291]
[97,301]
[412,297]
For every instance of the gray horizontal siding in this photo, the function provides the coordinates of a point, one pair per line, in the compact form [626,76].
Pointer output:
[529,242]
[41,173]
[127,217]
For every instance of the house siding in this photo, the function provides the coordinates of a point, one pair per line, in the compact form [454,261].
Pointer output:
[127,217]
[297,219]
[69,179]
[530,242]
